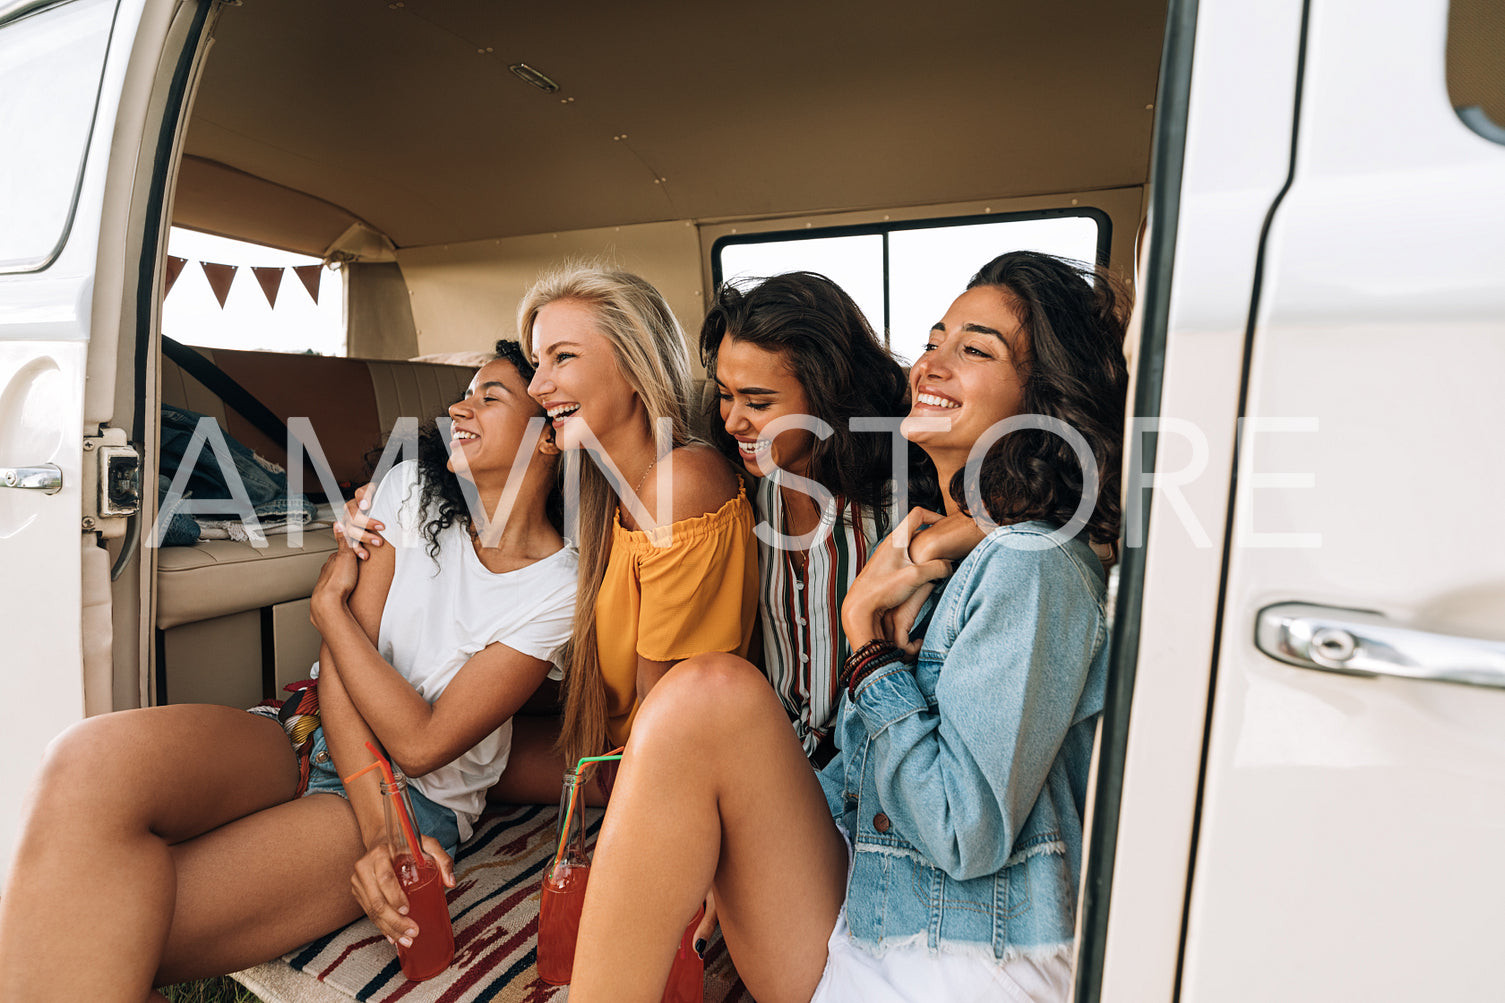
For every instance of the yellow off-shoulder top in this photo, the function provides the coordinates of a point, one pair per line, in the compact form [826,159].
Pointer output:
[671,592]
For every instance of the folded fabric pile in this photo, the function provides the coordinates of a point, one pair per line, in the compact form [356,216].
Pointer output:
[263,482]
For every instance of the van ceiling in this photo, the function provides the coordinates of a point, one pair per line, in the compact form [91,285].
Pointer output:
[404,115]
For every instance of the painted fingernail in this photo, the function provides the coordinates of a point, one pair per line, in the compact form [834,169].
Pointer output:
[700,946]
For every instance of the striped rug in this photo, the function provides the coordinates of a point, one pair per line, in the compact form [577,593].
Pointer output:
[494,907]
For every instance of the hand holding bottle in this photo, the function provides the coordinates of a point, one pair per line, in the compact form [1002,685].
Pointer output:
[379,891]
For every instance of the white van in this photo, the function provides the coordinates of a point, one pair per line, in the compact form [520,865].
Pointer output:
[1301,786]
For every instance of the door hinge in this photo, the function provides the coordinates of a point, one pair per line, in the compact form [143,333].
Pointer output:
[111,482]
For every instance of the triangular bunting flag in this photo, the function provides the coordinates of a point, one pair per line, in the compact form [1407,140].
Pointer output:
[309,276]
[220,277]
[174,269]
[271,281]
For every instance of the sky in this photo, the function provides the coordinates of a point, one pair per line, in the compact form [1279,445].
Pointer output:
[192,315]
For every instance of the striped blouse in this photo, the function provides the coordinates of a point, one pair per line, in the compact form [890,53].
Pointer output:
[803,643]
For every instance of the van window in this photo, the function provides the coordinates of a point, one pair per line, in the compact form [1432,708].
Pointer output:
[1475,66]
[900,274]
[191,310]
[50,67]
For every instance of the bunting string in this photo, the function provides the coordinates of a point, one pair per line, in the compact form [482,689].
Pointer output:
[221,276]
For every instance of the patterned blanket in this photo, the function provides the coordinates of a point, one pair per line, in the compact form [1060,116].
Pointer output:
[494,907]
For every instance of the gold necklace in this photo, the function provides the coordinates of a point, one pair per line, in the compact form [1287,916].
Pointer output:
[639,489]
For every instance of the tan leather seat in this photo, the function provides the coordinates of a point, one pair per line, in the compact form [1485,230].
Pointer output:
[218,577]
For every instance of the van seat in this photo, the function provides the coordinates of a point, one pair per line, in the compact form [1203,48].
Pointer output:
[218,577]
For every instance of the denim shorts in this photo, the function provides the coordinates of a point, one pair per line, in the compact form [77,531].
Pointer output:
[433,819]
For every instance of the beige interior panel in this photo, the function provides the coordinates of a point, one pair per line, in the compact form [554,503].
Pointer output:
[182,390]
[218,198]
[465,296]
[405,114]
[96,628]
[215,661]
[378,317]
[297,642]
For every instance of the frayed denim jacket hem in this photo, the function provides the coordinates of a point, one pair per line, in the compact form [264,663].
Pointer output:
[961,780]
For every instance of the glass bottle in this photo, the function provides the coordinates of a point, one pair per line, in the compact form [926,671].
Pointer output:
[434,946]
[564,889]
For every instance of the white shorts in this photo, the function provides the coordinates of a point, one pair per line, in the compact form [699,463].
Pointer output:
[911,975]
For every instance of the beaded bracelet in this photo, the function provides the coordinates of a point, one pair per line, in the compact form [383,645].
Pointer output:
[857,657]
[868,667]
[859,661]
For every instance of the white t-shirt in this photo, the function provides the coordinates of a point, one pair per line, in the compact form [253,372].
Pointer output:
[440,614]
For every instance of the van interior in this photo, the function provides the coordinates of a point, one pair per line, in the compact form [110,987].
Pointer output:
[444,154]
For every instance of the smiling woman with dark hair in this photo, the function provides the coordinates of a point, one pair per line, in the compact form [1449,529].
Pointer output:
[795,349]
[165,825]
[937,856]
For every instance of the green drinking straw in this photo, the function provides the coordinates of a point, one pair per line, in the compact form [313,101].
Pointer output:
[569,811]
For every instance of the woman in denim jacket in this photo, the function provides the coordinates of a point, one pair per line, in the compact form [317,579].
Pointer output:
[957,794]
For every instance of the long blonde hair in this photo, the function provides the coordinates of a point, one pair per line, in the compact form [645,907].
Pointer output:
[650,350]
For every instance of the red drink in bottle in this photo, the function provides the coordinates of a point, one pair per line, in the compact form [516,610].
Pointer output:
[563,890]
[435,944]
[559,921]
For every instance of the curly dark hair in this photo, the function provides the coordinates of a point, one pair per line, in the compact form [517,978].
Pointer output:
[1073,370]
[443,498]
[841,365]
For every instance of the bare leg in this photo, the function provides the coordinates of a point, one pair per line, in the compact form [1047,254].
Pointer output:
[235,906]
[132,837]
[714,788]
[535,770]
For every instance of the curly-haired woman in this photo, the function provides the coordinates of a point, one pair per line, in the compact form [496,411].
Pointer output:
[152,836]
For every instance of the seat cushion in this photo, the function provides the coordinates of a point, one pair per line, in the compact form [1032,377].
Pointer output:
[219,577]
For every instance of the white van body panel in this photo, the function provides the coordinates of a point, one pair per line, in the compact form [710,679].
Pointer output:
[44,341]
[1238,146]
[1349,837]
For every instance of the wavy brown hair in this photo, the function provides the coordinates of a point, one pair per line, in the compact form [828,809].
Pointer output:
[846,373]
[1075,316]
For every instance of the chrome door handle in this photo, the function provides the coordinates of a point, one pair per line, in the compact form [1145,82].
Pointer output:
[46,478]
[1368,644]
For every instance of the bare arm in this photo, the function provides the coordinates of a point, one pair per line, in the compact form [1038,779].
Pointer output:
[340,583]
[487,690]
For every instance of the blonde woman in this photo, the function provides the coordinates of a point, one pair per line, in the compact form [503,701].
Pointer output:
[668,563]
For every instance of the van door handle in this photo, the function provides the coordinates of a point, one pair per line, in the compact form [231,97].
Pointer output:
[1367,644]
[46,478]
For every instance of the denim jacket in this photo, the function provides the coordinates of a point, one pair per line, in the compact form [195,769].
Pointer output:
[961,780]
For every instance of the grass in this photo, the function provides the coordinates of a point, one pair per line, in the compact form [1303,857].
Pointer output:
[217,990]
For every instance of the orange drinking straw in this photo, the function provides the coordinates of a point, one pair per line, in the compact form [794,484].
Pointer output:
[402,808]
[569,811]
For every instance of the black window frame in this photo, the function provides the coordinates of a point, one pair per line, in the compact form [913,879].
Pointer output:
[884,228]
